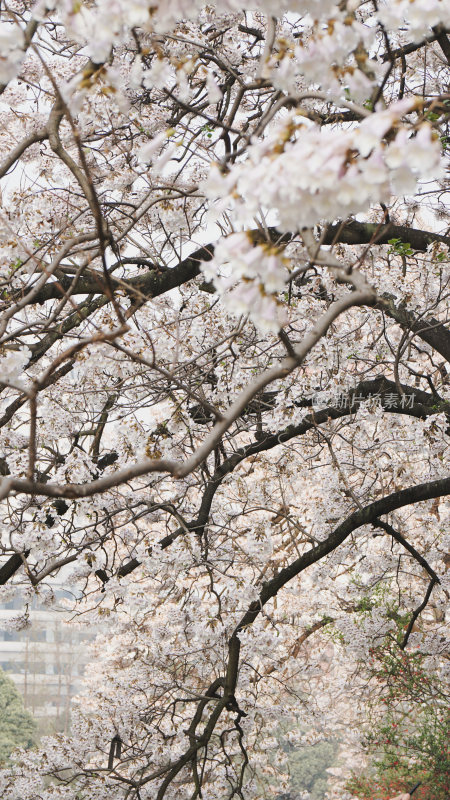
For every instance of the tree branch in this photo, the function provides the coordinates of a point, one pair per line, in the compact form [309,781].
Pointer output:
[418,611]
[364,516]
[382,388]
[157,281]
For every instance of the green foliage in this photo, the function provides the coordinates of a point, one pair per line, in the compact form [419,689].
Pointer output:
[17,726]
[400,248]
[208,129]
[409,743]
[308,768]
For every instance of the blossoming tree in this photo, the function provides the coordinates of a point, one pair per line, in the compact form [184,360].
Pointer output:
[224,371]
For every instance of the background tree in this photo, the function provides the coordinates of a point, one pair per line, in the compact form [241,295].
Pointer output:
[308,768]
[408,741]
[17,726]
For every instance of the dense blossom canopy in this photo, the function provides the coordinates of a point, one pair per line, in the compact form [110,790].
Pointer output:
[224,374]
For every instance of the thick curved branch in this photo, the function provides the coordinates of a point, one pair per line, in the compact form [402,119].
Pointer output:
[443,40]
[74,490]
[363,294]
[364,516]
[412,550]
[384,390]
[416,613]
[361,517]
[151,284]
[354,232]
[411,48]
[157,281]
[19,149]
[23,398]
[47,271]
[10,567]
[428,329]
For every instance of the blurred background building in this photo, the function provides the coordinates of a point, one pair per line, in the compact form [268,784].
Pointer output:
[46,660]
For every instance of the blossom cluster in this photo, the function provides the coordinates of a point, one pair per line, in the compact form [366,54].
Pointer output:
[323,175]
[113,21]
[331,53]
[419,15]
[248,276]
[12,363]
[11,50]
